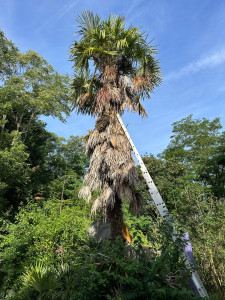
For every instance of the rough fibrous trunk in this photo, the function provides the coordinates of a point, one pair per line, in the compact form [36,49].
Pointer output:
[112,170]
[115,218]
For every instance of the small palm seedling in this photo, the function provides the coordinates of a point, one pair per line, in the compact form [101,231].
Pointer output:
[42,282]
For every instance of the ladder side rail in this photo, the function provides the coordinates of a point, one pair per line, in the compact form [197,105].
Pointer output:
[160,204]
[194,275]
[163,211]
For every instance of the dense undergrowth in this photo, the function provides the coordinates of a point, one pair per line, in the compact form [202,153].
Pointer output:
[46,254]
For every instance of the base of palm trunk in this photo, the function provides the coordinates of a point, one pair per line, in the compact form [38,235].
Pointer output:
[115,218]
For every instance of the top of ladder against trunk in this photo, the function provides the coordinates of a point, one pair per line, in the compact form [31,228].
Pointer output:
[164,213]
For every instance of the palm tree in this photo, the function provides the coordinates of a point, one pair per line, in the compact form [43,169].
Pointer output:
[114,69]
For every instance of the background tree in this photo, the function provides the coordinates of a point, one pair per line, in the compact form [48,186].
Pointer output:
[199,145]
[67,166]
[29,88]
[8,55]
[123,70]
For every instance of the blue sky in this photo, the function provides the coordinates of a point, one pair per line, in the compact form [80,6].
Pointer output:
[190,35]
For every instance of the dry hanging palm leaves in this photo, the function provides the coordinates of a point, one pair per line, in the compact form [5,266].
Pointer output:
[140,108]
[112,168]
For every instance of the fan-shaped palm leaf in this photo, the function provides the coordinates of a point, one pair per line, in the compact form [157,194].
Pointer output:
[41,281]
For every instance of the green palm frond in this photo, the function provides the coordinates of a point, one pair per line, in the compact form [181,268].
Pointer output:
[79,87]
[122,44]
[40,279]
[87,23]
[82,89]
[94,50]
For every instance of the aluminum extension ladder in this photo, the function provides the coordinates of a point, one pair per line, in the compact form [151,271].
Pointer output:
[164,213]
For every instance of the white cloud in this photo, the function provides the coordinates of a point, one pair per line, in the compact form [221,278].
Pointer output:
[58,15]
[209,61]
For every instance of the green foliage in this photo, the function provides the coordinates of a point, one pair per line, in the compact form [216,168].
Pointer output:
[40,163]
[203,216]
[199,144]
[170,177]
[29,88]
[110,38]
[110,271]
[189,175]
[13,162]
[67,164]
[42,281]
[48,231]
[8,53]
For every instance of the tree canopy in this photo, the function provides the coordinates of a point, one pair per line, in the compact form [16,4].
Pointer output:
[200,145]
[29,89]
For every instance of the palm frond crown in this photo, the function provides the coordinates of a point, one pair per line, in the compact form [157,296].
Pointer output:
[124,63]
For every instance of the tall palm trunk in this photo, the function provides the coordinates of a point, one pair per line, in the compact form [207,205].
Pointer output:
[112,169]
[115,218]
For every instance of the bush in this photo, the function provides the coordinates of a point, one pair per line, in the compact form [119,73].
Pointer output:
[117,271]
[50,232]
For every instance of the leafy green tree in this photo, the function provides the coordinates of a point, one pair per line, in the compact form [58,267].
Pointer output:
[8,56]
[34,89]
[199,144]
[213,173]
[67,164]
[169,175]
[29,88]
[123,69]
[14,169]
